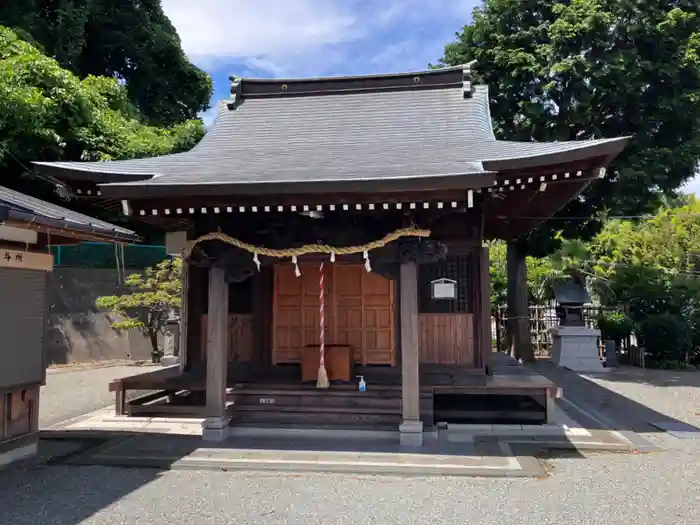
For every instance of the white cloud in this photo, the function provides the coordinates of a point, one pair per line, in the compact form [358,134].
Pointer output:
[270,32]
[312,37]
[693,186]
[210,115]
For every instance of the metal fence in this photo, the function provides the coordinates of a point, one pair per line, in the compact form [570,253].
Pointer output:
[108,256]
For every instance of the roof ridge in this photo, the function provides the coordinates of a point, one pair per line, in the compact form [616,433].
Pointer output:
[439,78]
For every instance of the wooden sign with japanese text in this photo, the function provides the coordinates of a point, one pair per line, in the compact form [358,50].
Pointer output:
[443,289]
[24,260]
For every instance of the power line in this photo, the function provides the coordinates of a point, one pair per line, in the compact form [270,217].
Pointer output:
[606,217]
[61,189]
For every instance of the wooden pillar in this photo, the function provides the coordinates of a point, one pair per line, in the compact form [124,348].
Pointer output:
[184,315]
[411,428]
[518,326]
[215,426]
[485,337]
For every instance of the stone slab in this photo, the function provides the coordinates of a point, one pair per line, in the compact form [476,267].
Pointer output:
[678,429]
[339,456]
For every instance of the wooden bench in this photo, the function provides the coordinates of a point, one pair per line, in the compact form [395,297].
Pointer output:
[166,381]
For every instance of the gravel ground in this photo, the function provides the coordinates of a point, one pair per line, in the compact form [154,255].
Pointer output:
[602,490]
[71,393]
[634,397]
[656,489]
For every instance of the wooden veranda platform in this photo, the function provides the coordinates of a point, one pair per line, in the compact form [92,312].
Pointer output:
[279,396]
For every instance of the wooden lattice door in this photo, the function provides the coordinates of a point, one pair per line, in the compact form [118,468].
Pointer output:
[359,312]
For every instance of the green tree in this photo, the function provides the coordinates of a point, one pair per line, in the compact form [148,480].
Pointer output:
[131,40]
[650,268]
[48,113]
[577,69]
[541,275]
[156,294]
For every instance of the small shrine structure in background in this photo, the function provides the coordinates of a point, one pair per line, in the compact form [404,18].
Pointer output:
[575,345]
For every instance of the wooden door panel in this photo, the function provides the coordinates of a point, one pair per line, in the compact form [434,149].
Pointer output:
[359,312]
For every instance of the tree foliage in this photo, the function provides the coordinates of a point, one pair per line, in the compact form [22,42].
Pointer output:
[578,69]
[541,274]
[130,40]
[648,268]
[48,113]
[156,294]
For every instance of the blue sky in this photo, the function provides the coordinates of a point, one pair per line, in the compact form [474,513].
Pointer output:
[303,38]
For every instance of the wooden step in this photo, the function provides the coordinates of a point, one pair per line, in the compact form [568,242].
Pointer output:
[317,392]
[316,410]
[490,416]
[301,400]
[310,387]
[316,417]
[335,388]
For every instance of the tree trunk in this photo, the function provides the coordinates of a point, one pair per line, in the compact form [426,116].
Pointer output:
[518,324]
[155,351]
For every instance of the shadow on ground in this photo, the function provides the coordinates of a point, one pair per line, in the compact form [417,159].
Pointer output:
[49,493]
[610,409]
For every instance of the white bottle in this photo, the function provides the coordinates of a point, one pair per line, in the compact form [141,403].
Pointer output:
[362,386]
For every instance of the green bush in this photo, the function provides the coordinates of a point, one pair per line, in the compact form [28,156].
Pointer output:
[667,340]
[614,326]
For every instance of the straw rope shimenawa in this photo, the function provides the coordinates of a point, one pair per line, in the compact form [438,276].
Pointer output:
[322,376]
[307,248]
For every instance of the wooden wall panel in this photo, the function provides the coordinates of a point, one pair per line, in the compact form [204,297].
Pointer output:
[19,412]
[240,337]
[447,339]
[261,306]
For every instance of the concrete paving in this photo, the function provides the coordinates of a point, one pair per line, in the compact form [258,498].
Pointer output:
[72,391]
[334,455]
[600,489]
[455,450]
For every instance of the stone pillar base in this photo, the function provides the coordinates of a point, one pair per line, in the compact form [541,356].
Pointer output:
[411,433]
[576,348]
[169,360]
[216,428]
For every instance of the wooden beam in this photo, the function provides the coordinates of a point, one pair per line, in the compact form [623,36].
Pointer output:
[68,233]
[297,199]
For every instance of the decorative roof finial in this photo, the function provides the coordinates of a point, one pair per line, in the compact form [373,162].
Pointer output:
[467,79]
[236,92]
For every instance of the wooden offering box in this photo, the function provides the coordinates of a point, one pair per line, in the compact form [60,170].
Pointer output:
[338,359]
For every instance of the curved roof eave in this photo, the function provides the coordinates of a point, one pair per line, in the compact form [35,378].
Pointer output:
[97,172]
[466,180]
[556,153]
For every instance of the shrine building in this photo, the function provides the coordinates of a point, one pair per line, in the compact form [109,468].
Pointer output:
[385,188]
[29,228]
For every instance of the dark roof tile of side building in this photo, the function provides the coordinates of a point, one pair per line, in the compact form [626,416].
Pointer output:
[306,132]
[23,208]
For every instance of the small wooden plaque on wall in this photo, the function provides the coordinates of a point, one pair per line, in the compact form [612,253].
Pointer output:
[24,260]
[443,289]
